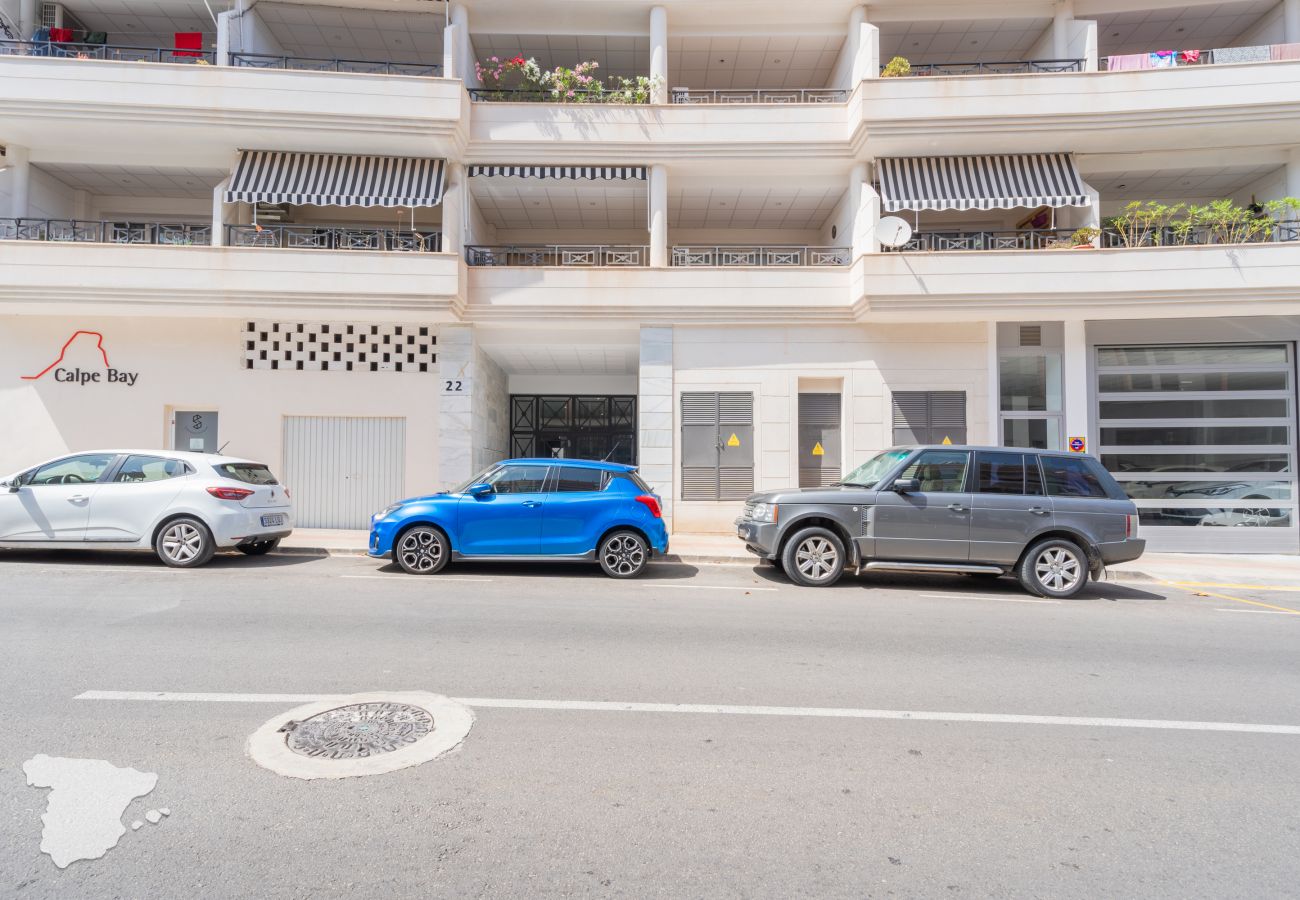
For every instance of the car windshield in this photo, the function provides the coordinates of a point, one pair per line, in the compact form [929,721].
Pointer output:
[870,472]
[477,479]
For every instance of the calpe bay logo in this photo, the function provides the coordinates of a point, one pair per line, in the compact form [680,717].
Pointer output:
[80,376]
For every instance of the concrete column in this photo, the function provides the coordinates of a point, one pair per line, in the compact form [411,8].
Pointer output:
[1293,173]
[19,174]
[1062,18]
[1074,377]
[658,206]
[1291,20]
[864,202]
[655,414]
[473,431]
[1092,212]
[226,22]
[450,62]
[29,18]
[659,54]
[219,213]
[864,47]
[453,200]
[462,56]
[994,376]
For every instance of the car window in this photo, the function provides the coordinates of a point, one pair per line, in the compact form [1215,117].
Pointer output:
[73,470]
[249,473]
[939,471]
[1068,477]
[518,479]
[149,468]
[638,481]
[1001,473]
[571,479]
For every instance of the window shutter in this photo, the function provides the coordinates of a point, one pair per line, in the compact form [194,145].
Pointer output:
[717,445]
[929,417]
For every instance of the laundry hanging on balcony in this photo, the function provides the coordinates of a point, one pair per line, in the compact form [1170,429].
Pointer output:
[589,173]
[981,182]
[333,179]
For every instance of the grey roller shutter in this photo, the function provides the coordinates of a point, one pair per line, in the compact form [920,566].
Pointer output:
[929,417]
[819,439]
[717,445]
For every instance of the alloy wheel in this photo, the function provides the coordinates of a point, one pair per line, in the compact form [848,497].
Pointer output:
[1058,569]
[623,554]
[816,558]
[420,550]
[182,542]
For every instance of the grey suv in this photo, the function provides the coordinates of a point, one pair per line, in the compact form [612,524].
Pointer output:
[1050,518]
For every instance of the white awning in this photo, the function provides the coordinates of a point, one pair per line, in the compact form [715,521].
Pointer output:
[332,179]
[590,173]
[981,182]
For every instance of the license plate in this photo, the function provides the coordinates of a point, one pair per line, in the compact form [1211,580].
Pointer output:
[268,521]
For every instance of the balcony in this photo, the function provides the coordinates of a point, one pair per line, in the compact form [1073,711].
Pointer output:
[1015,67]
[696,96]
[575,255]
[110,52]
[333,237]
[762,257]
[323,64]
[100,232]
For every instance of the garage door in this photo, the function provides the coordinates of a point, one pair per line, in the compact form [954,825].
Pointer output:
[342,469]
[1202,437]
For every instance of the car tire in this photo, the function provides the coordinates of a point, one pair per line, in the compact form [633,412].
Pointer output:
[422,550]
[623,554]
[184,543]
[1054,568]
[258,548]
[813,557]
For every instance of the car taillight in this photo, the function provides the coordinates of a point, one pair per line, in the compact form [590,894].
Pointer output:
[229,493]
[1130,526]
[651,503]
[287,495]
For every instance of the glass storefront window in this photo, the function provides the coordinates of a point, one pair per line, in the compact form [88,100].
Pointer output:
[1248,516]
[1194,355]
[1036,434]
[1178,489]
[1029,383]
[1191,435]
[1192,381]
[1197,462]
[1194,409]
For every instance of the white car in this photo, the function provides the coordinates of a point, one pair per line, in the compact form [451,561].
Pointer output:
[184,506]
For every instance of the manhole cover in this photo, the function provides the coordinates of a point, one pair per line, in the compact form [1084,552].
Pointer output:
[360,734]
[359,731]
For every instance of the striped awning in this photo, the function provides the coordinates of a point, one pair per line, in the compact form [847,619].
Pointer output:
[590,173]
[332,179]
[981,182]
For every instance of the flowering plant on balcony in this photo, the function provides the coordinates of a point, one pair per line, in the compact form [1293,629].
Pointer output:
[526,80]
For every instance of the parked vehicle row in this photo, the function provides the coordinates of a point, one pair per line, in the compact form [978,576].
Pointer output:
[1050,519]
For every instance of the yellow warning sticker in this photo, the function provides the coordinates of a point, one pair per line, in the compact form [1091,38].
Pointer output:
[818,449]
[947,440]
[733,441]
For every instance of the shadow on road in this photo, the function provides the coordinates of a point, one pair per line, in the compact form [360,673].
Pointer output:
[145,559]
[585,570]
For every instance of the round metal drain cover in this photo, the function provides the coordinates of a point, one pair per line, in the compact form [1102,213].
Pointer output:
[360,730]
[360,734]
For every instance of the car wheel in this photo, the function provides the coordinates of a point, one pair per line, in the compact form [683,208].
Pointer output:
[813,557]
[258,548]
[1053,568]
[422,550]
[623,554]
[185,543]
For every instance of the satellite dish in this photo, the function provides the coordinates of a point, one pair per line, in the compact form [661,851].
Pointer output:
[893,231]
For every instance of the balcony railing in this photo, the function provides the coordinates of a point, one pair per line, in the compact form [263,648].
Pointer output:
[1017,67]
[580,255]
[538,95]
[757,95]
[95,232]
[320,64]
[332,237]
[107,51]
[1048,238]
[727,256]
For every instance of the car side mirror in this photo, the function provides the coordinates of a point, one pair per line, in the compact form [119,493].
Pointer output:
[12,486]
[478,490]
[906,485]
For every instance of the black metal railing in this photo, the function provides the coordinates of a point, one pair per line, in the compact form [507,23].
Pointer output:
[321,64]
[577,255]
[1035,239]
[758,95]
[1018,67]
[332,237]
[86,231]
[724,256]
[612,96]
[1057,238]
[111,52]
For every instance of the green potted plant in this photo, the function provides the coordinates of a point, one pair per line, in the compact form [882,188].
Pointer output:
[898,67]
[1083,238]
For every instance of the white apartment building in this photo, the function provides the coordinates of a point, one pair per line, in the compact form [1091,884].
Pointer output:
[314,234]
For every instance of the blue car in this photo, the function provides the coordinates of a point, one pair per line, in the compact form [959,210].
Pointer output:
[529,509]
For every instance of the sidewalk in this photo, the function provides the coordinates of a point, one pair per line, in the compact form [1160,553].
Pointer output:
[1189,568]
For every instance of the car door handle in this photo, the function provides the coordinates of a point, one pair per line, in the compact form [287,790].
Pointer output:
[956,507]
[77,498]
[1038,510]
[531,503]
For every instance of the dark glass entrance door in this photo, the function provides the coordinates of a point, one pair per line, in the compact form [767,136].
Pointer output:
[573,427]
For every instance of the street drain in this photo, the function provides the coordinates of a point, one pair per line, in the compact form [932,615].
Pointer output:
[363,734]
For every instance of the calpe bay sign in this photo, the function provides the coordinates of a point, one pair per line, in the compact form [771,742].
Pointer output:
[82,377]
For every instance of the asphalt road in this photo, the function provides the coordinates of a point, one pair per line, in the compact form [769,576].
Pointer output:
[734,803]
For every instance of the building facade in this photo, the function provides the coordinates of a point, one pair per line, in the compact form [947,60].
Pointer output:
[380,244]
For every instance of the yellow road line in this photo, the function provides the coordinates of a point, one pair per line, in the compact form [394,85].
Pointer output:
[1285,609]
[1293,589]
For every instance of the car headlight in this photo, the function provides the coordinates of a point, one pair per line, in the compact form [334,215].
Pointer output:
[387,511]
[763,512]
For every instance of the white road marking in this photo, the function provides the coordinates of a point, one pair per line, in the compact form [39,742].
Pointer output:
[704,587]
[988,597]
[1257,612]
[410,580]
[821,712]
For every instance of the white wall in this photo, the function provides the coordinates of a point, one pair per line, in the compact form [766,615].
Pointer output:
[572,384]
[249,34]
[186,364]
[149,209]
[1270,29]
[48,198]
[870,361]
[1268,187]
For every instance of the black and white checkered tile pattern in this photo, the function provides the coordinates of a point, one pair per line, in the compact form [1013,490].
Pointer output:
[339,347]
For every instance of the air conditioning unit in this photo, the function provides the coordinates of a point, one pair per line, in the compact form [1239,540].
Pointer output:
[270,212]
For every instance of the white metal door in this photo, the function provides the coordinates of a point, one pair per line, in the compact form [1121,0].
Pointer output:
[342,469]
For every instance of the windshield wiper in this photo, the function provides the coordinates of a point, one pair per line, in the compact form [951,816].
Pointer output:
[848,484]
